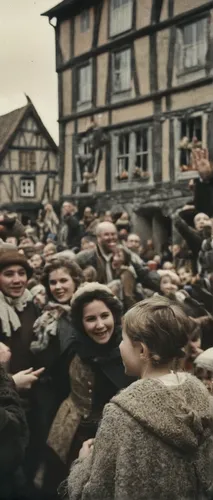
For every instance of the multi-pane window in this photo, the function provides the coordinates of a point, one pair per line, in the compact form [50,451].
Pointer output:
[27,188]
[85,20]
[133,155]
[121,71]
[123,155]
[190,137]
[85,84]
[142,150]
[121,16]
[194,44]
[27,161]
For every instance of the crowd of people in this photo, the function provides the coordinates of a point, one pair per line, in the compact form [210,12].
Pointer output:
[106,356]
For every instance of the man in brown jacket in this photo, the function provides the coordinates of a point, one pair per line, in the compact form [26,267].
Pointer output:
[101,258]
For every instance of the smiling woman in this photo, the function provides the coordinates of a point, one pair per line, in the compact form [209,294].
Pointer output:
[95,369]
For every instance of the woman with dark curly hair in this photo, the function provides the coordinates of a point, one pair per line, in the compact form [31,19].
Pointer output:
[96,371]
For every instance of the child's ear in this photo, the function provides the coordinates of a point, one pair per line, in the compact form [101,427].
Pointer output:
[142,350]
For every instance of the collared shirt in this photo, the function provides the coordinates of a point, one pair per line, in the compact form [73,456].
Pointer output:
[108,267]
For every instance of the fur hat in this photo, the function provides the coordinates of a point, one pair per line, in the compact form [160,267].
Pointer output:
[87,289]
[10,257]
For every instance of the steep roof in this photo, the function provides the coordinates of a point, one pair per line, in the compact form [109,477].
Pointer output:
[10,122]
[69,8]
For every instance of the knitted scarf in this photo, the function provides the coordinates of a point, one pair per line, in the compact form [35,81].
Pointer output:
[46,325]
[8,307]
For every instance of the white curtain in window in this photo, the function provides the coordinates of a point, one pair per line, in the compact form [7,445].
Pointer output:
[121,16]
[122,71]
[85,84]
[195,43]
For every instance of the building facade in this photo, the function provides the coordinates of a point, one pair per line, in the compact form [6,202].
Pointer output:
[28,161]
[135,96]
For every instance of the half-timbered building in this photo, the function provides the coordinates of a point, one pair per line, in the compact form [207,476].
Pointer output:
[135,96]
[28,161]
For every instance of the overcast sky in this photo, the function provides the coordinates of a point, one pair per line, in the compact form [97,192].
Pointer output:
[27,59]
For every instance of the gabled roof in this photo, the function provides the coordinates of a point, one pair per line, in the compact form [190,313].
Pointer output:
[69,8]
[10,122]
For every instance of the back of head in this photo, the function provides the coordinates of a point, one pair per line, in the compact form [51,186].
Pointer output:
[162,325]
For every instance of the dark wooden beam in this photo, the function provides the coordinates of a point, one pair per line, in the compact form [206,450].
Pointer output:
[11,176]
[74,152]
[46,156]
[129,37]
[60,95]
[30,148]
[109,80]
[139,100]
[210,135]
[171,53]
[94,82]
[26,173]
[58,52]
[156,11]
[61,155]
[97,14]
[171,150]
[72,37]
[135,71]
[74,89]
[157,125]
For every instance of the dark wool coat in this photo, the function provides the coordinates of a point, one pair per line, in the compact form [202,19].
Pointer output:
[13,439]
[71,394]
[154,443]
[19,342]
[203,196]
[71,227]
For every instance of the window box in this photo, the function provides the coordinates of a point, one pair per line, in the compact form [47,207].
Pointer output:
[141,175]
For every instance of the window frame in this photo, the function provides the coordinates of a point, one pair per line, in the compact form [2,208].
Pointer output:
[84,102]
[132,179]
[182,68]
[128,88]
[123,156]
[29,162]
[188,174]
[27,195]
[112,33]
[142,153]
